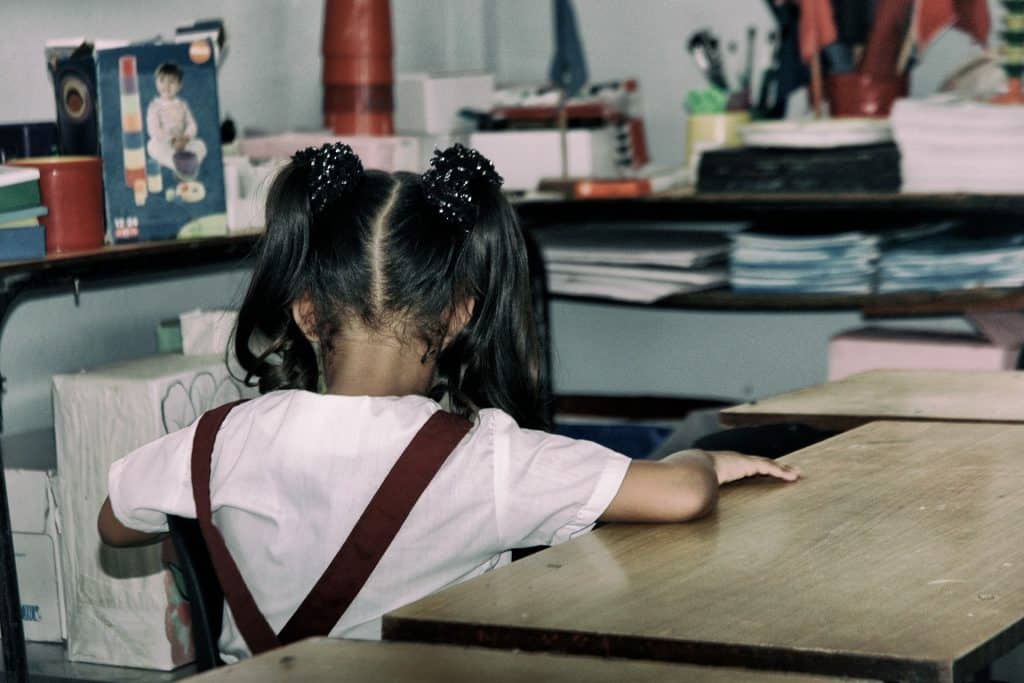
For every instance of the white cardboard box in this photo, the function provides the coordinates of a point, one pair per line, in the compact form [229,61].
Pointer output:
[873,348]
[30,463]
[387,153]
[122,604]
[523,157]
[430,102]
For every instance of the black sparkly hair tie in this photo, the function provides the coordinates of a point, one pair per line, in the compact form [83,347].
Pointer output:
[453,178]
[334,169]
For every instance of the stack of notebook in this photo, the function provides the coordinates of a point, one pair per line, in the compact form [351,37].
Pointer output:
[958,259]
[837,263]
[21,234]
[634,263]
[802,260]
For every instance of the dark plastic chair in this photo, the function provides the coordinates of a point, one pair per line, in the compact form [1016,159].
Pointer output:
[203,591]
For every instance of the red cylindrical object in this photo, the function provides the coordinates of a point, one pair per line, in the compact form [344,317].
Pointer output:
[358,71]
[860,94]
[72,191]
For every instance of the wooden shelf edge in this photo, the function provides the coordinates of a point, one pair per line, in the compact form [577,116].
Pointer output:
[871,305]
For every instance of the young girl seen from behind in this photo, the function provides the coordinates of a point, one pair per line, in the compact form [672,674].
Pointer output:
[376,296]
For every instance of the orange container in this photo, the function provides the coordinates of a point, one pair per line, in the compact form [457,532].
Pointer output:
[72,191]
[358,72]
[861,94]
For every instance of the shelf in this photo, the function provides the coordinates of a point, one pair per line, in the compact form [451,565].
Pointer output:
[871,305]
[124,260]
[689,205]
[156,257]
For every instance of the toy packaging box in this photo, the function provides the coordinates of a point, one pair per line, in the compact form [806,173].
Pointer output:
[159,123]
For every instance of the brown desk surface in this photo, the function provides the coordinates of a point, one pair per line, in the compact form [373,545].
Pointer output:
[323,659]
[946,395]
[897,557]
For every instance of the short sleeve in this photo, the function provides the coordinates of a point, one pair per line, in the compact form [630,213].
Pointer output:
[153,481]
[549,488]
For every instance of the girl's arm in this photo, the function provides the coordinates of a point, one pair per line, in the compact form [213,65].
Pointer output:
[684,485]
[112,532]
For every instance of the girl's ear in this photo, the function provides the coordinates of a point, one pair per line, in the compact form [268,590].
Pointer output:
[461,316]
[304,316]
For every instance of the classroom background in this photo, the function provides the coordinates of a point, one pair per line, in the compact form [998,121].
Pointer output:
[271,81]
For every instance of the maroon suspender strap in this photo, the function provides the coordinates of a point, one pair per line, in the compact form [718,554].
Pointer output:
[361,551]
[248,618]
[377,527]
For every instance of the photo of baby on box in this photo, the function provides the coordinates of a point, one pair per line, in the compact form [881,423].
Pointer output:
[160,140]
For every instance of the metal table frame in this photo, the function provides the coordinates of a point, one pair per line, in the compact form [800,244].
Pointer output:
[18,280]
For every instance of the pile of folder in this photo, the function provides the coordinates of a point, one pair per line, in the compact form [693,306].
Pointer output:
[961,258]
[636,263]
[21,234]
[948,144]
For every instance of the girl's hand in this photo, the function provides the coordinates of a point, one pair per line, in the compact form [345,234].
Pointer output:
[731,466]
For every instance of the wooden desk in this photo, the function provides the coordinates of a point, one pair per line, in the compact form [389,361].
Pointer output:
[897,558]
[940,395]
[323,659]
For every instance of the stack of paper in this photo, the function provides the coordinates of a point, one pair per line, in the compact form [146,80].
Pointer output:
[21,235]
[631,262]
[836,263]
[809,262]
[954,260]
[948,144]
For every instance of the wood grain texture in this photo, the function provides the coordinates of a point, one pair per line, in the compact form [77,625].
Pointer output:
[947,395]
[322,659]
[897,558]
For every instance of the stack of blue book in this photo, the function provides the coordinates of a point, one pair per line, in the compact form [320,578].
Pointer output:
[833,263]
[802,260]
[21,235]
[962,258]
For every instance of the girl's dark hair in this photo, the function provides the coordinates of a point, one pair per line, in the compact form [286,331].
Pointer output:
[382,252]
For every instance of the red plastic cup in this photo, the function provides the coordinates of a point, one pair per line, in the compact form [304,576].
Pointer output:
[72,191]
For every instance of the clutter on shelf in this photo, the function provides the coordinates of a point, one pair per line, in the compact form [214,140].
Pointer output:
[636,263]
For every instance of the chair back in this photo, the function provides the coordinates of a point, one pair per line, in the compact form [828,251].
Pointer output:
[205,597]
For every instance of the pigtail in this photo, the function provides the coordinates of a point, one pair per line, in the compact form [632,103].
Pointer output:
[494,360]
[269,345]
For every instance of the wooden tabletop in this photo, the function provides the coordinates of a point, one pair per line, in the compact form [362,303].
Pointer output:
[353,661]
[896,558]
[947,395]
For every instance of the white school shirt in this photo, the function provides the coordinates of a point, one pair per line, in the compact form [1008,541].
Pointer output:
[292,471]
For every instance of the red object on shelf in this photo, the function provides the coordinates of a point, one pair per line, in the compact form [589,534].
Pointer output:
[358,73]
[862,94]
[72,190]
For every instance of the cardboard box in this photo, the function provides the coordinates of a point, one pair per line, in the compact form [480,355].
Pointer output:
[523,157]
[160,139]
[30,463]
[430,103]
[875,348]
[123,605]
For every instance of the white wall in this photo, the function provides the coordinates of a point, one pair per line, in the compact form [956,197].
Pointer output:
[271,79]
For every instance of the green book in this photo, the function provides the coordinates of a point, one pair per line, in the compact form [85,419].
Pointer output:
[19,188]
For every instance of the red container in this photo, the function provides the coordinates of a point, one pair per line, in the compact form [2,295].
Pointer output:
[358,72]
[861,94]
[72,191]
